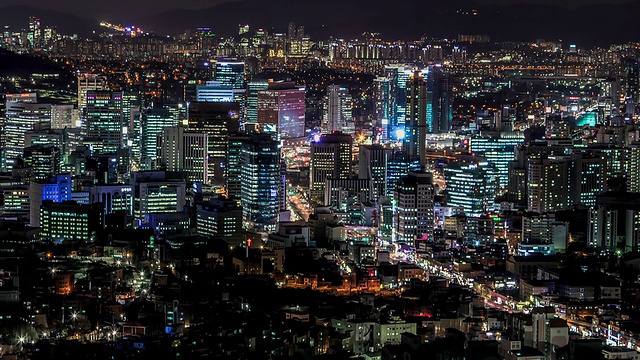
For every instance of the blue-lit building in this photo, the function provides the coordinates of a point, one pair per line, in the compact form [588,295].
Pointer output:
[399,164]
[154,120]
[498,151]
[104,121]
[57,190]
[471,186]
[398,77]
[251,108]
[261,183]
[214,91]
[230,74]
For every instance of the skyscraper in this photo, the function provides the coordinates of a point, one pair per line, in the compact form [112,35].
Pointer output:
[214,91]
[398,77]
[330,158]
[233,180]
[281,109]
[499,151]
[470,186]
[261,185]
[338,110]
[549,184]
[414,197]
[415,128]
[22,113]
[230,73]
[384,105]
[184,151]
[439,112]
[154,120]
[372,163]
[104,125]
[253,88]
[87,82]
[218,120]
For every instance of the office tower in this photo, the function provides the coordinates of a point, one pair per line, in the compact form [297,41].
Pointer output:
[114,198]
[43,161]
[337,111]
[631,70]
[615,224]
[399,164]
[35,32]
[331,158]
[398,77]
[589,178]
[154,120]
[439,111]
[104,125]
[214,91]
[157,192]
[21,114]
[64,116]
[281,109]
[414,197]
[57,189]
[230,73]
[633,181]
[233,180]
[219,218]
[261,183]
[88,82]
[499,151]
[549,184]
[184,151]
[415,127]
[383,105]
[132,120]
[71,221]
[372,164]
[341,194]
[218,121]
[470,186]
[543,229]
[253,88]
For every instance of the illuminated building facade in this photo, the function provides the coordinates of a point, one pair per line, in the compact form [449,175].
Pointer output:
[281,109]
[414,198]
[70,221]
[330,159]
[186,152]
[470,186]
[22,112]
[104,126]
[262,187]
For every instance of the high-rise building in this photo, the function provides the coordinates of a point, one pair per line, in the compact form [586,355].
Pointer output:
[154,120]
[338,110]
[589,178]
[439,110]
[470,186]
[184,151]
[341,194]
[88,82]
[414,198]
[331,158]
[398,165]
[281,109]
[35,32]
[384,105]
[615,224]
[230,73]
[253,88]
[498,151]
[233,180]
[22,113]
[261,183]
[218,121]
[43,160]
[631,70]
[372,164]
[415,127]
[64,116]
[104,126]
[398,76]
[214,91]
[549,184]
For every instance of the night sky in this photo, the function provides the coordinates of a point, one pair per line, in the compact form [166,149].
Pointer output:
[101,10]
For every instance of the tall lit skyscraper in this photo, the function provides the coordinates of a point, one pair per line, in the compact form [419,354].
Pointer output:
[384,105]
[218,120]
[549,184]
[631,69]
[233,180]
[253,87]
[498,151]
[230,73]
[281,109]
[415,138]
[439,111]
[214,91]
[261,185]
[22,112]
[330,159]
[398,77]
[154,120]
[87,82]
[414,197]
[104,126]
[372,163]
[398,165]
[184,151]
[470,186]
[338,110]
